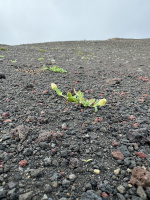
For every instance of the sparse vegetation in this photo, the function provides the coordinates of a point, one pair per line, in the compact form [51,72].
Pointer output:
[80,53]
[54,69]
[42,50]
[3,49]
[78,98]
[40,58]
[13,61]
[57,69]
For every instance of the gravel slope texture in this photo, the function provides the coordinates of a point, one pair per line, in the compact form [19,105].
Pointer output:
[54,149]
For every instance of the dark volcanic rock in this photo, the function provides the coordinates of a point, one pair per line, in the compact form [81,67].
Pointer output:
[2,76]
[141,135]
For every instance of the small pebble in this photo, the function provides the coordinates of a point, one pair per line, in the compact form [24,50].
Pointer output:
[96,171]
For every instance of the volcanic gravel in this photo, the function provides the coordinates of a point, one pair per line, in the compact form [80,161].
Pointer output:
[57,150]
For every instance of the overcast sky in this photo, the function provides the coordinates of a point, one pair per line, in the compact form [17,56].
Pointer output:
[35,21]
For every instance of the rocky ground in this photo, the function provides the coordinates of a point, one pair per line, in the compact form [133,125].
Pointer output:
[52,149]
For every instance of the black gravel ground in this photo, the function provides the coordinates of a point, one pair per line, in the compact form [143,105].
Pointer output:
[73,160]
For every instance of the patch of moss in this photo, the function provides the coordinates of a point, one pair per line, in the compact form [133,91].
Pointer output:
[42,50]
[3,49]
[40,58]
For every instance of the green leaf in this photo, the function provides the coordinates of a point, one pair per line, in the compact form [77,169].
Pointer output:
[1,56]
[69,94]
[91,101]
[13,61]
[79,96]
[96,103]
[58,92]
[96,109]
[72,99]
[44,67]
[57,69]
[3,48]
[40,58]
[87,160]
[42,50]
[86,103]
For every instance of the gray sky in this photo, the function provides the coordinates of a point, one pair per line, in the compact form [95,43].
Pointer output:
[35,21]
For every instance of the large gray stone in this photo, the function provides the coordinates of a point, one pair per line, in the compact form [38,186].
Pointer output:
[26,196]
[141,193]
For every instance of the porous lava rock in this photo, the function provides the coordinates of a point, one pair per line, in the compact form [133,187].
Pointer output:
[2,76]
[141,154]
[20,132]
[140,177]
[117,155]
[44,136]
[141,135]
[47,136]
[22,163]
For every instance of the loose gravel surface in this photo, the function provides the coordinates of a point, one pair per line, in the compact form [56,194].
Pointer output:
[54,149]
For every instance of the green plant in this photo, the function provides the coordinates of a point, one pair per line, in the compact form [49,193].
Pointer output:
[85,58]
[57,69]
[40,58]
[54,69]
[13,61]
[44,67]
[1,56]
[3,48]
[78,98]
[42,50]
[87,160]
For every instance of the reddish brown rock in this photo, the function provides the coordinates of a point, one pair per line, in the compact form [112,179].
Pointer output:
[118,155]
[98,119]
[23,163]
[140,177]
[7,120]
[44,136]
[115,144]
[5,114]
[141,154]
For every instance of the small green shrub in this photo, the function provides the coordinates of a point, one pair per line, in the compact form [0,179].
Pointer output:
[42,50]
[13,61]
[57,69]
[40,58]
[54,69]
[3,49]
[78,98]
